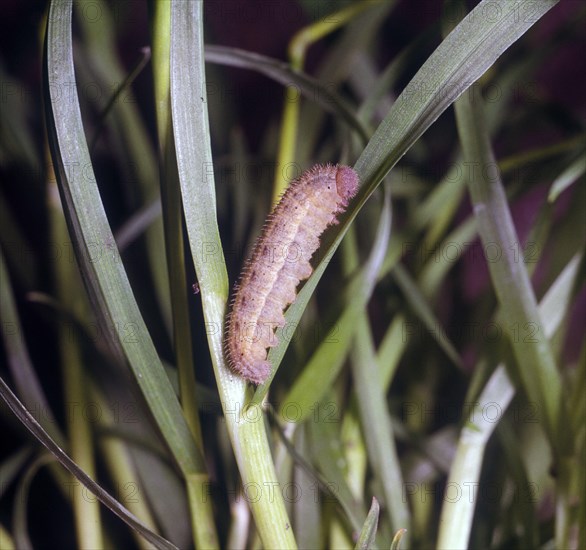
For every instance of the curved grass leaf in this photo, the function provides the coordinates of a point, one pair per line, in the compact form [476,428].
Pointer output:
[101,63]
[105,498]
[457,514]
[194,162]
[19,361]
[569,176]
[105,280]
[21,501]
[508,272]
[283,73]
[368,533]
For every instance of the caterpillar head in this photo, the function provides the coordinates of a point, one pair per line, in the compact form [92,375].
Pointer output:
[346,183]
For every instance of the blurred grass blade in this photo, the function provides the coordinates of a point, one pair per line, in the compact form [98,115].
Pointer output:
[6,540]
[330,479]
[297,50]
[391,349]
[377,426]
[368,533]
[396,544]
[141,63]
[283,73]
[437,267]
[105,280]
[555,305]
[370,395]
[11,466]
[194,162]
[424,312]
[509,275]
[459,61]
[101,65]
[390,75]
[569,176]
[306,511]
[12,240]
[20,520]
[340,66]
[137,224]
[36,429]
[19,361]
[457,514]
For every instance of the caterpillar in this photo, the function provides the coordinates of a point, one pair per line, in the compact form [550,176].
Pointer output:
[279,262]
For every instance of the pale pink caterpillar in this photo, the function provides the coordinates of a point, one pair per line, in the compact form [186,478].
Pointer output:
[279,262]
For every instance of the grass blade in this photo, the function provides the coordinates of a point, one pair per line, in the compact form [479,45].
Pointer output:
[368,533]
[36,429]
[283,73]
[19,361]
[194,162]
[457,514]
[508,273]
[106,281]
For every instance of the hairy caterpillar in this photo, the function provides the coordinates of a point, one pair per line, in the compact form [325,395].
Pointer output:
[279,262]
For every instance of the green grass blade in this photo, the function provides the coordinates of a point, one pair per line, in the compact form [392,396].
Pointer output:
[368,533]
[424,312]
[135,151]
[377,426]
[370,395]
[75,375]
[105,280]
[19,361]
[105,498]
[203,522]
[457,514]
[297,49]
[391,349]
[461,59]
[340,64]
[328,456]
[567,177]
[283,73]
[194,162]
[508,273]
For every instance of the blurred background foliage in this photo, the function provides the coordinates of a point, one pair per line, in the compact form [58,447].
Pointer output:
[435,331]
